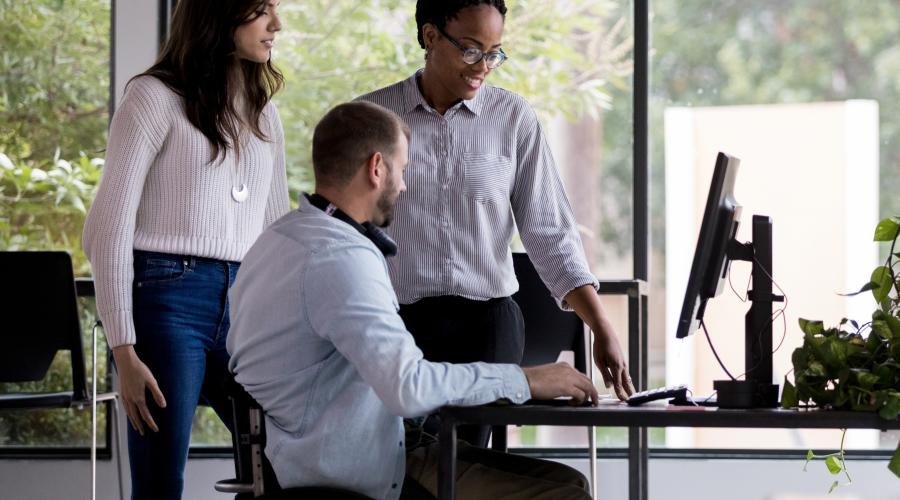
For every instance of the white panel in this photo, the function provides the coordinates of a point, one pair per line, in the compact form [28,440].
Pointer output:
[135,39]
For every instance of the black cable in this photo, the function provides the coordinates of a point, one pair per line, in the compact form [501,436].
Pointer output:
[716,354]
[780,311]
[772,319]
[746,288]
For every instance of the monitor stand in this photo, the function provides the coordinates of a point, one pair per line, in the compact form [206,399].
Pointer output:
[757,389]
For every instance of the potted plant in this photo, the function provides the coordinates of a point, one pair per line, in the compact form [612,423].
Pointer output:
[855,366]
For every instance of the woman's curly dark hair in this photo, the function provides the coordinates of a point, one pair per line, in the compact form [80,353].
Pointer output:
[438,12]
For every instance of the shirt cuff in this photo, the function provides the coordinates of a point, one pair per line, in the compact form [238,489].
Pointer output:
[573,283]
[516,388]
[119,328]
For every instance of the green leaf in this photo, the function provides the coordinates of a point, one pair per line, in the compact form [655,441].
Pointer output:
[866,378]
[865,288]
[894,465]
[834,465]
[891,408]
[834,355]
[886,230]
[789,395]
[809,456]
[816,369]
[882,329]
[811,327]
[894,324]
[882,276]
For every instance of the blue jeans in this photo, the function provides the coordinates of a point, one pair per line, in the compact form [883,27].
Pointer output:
[181,322]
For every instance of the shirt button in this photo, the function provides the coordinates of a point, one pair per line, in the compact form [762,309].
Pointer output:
[401,444]
[519,395]
[394,486]
[444,187]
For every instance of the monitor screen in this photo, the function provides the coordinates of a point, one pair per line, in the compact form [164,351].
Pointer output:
[719,226]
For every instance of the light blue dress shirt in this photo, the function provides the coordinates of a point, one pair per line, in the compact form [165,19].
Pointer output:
[316,339]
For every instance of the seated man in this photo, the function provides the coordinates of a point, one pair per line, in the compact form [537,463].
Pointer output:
[316,339]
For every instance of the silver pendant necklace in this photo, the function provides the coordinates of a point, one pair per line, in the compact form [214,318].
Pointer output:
[238,194]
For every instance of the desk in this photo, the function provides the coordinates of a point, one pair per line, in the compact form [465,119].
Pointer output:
[614,414]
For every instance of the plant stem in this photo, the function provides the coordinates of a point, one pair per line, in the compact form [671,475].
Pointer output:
[844,463]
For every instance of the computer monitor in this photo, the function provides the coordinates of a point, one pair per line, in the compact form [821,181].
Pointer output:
[719,226]
[716,248]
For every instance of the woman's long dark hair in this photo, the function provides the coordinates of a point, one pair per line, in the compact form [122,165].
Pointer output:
[197,63]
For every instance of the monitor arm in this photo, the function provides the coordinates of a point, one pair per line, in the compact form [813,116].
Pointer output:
[757,389]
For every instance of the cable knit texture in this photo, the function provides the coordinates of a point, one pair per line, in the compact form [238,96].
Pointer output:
[159,192]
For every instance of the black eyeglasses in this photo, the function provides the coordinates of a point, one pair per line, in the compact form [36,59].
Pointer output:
[472,55]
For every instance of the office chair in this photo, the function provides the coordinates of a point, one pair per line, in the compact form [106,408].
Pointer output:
[254,476]
[548,331]
[44,320]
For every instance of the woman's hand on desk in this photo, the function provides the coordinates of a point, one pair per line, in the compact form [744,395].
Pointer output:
[560,379]
[611,362]
[607,351]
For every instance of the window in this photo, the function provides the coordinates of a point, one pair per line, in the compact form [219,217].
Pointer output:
[807,97]
[54,94]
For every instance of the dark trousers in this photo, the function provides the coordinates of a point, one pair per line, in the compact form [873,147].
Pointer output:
[458,330]
[489,475]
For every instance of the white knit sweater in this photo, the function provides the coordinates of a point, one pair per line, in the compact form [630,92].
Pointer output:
[159,192]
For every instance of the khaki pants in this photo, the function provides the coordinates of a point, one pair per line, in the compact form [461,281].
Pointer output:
[491,475]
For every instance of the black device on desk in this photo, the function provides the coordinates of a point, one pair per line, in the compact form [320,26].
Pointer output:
[672,392]
[716,248]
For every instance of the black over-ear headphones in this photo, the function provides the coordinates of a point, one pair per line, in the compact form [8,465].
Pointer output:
[374,233]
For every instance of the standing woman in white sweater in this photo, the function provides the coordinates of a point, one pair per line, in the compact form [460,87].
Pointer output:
[194,172]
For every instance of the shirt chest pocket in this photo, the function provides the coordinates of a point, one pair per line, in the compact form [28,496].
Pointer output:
[486,177]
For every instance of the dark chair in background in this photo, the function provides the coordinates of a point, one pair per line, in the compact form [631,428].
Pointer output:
[548,331]
[254,476]
[42,319]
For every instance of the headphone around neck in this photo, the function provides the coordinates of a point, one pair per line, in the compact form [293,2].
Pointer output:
[374,233]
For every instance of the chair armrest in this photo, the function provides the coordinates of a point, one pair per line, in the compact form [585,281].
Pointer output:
[233,486]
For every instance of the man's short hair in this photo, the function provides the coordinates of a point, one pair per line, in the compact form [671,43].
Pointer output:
[348,135]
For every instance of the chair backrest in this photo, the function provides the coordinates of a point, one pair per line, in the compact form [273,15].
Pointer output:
[254,475]
[548,329]
[41,317]
[248,444]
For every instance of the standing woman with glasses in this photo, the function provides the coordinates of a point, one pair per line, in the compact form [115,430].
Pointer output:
[194,172]
[479,167]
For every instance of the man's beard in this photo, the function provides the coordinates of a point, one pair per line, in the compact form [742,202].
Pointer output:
[385,205]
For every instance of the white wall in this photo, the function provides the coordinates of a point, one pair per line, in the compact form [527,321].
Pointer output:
[813,168]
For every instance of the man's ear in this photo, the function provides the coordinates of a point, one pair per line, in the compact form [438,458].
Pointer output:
[376,170]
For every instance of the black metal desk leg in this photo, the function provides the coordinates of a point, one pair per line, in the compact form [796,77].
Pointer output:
[638,446]
[447,464]
[637,463]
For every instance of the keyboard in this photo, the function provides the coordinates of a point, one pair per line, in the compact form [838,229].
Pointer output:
[675,391]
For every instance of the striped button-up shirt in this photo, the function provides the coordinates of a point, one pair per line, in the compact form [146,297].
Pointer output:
[475,173]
